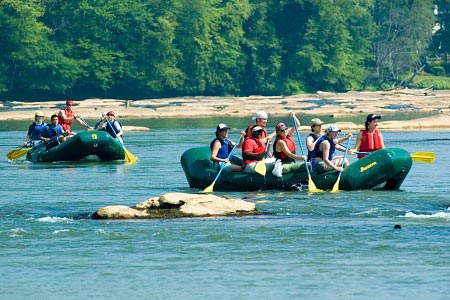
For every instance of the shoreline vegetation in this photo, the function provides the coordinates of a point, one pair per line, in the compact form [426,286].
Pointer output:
[305,105]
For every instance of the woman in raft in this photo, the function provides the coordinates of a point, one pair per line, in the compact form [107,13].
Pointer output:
[370,139]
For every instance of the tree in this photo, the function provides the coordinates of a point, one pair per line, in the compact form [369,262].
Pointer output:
[404,32]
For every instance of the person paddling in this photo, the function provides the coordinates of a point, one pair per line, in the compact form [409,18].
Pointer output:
[370,139]
[322,158]
[66,117]
[53,133]
[261,119]
[112,126]
[34,134]
[221,147]
[254,150]
[316,133]
[284,147]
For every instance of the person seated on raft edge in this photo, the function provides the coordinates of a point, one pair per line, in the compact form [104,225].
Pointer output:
[34,134]
[370,139]
[284,147]
[221,147]
[316,133]
[53,133]
[112,126]
[322,158]
[261,119]
[254,150]
[66,116]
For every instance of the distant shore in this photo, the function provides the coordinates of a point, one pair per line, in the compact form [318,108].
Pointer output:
[318,104]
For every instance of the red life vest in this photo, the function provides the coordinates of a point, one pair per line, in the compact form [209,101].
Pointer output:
[370,142]
[252,145]
[66,123]
[289,143]
[248,131]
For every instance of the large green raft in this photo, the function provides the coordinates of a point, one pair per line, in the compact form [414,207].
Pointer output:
[384,169]
[98,144]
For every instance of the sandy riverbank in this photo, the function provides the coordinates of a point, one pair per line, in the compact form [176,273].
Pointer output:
[318,104]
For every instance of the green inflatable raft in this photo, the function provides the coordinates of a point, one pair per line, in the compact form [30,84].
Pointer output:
[88,143]
[385,169]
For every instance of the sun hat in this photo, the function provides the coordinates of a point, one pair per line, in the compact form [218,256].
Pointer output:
[69,102]
[222,126]
[280,126]
[39,113]
[316,121]
[111,113]
[260,115]
[332,128]
[372,117]
[257,128]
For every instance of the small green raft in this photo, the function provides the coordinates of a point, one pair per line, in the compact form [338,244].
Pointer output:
[384,169]
[84,144]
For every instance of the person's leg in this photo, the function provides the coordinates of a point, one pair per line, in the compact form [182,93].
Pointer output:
[250,168]
[234,168]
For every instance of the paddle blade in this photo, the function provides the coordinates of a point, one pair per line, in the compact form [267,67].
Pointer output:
[336,185]
[129,158]
[260,167]
[17,153]
[209,189]
[312,187]
[423,157]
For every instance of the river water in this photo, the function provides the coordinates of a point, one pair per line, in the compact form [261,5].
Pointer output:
[321,246]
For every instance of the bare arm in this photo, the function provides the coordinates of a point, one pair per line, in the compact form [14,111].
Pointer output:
[325,145]
[310,143]
[297,122]
[214,151]
[282,147]
[358,142]
[381,141]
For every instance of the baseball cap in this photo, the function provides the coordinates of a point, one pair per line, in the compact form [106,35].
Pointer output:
[316,121]
[111,113]
[260,115]
[69,102]
[222,126]
[257,128]
[332,128]
[372,117]
[280,126]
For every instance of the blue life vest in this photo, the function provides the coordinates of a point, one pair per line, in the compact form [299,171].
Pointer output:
[317,153]
[112,131]
[35,131]
[224,150]
[315,138]
[52,131]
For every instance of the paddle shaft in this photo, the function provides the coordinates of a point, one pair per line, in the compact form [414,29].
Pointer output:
[228,157]
[336,185]
[115,132]
[211,186]
[311,185]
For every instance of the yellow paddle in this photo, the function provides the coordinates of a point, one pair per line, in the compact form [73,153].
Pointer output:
[260,167]
[311,186]
[210,188]
[17,153]
[336,185]
[422,157]
[129,158]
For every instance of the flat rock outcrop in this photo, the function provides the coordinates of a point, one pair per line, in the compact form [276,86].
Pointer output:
[178,205]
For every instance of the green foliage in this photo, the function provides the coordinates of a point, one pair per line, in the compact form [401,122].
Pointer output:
[437,82]
[151,48]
